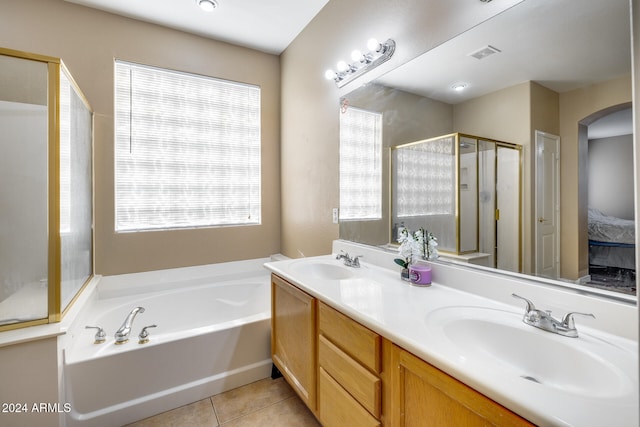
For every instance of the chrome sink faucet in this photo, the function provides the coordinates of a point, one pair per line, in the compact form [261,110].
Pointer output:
[348,261]
[543,320]
[122,334]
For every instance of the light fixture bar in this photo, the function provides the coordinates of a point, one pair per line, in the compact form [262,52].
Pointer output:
[379,53]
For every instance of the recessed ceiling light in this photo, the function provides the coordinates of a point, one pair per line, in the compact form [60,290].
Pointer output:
[459,87]
[207,5]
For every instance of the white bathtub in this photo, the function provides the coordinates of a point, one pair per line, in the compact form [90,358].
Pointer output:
[213,335]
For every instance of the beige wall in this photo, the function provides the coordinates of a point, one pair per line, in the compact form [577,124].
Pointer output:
[581,106]
[87,40]
[29,372]
[310,187]
[502,115]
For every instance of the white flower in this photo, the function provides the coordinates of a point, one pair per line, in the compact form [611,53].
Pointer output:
[420,243]
[406,248]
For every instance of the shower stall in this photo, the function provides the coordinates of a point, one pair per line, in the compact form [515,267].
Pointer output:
[464,189]
[46,189]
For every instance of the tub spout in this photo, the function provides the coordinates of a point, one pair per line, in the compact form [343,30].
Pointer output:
[122,334]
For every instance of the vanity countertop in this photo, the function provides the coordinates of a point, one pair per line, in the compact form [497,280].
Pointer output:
[377,298]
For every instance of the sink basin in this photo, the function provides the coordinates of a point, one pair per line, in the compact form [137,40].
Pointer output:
[497,339]
[327,270]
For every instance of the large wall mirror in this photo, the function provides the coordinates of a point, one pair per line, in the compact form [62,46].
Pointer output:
[553,78]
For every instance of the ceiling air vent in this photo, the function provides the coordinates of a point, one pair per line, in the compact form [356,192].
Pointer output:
[484,52]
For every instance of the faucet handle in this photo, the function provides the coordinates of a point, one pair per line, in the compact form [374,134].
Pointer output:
[567,320]
[530,305]
[143,337]
[355,261]
[100,336]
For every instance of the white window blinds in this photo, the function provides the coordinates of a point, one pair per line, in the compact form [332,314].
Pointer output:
[187,150]
[360,165]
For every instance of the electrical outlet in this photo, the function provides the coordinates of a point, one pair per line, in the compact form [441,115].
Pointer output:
[335,215]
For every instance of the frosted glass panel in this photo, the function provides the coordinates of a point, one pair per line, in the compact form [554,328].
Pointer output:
[75,191]
[487,199]
[468,177]
[423,188]
[508,202]
[23,190]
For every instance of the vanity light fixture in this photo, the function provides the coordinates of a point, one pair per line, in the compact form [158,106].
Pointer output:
[362,62]
[207,5]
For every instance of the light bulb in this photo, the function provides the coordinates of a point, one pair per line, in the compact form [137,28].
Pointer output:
[356,55]
[330,75]
[207,5]
[459,87]
[374,45]
[342,66]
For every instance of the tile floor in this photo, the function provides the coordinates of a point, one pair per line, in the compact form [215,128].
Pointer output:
[263,403]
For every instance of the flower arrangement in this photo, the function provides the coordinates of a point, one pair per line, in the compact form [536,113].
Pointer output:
[419,244]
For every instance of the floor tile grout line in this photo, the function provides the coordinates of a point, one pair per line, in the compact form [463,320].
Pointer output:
[215,413]
[256,410]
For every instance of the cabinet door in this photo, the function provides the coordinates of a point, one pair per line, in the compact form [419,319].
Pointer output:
[293,338]
[420,394]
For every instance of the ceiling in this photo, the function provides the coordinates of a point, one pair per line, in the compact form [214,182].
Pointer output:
[266,26]
[562,45]
[559,46]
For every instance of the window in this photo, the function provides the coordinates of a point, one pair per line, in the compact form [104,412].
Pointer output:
[360,165]
[187,150]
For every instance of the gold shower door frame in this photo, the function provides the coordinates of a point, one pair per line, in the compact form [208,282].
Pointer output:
[55,67]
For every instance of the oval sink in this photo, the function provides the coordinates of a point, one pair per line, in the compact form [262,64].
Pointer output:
[499,339]
[326,270]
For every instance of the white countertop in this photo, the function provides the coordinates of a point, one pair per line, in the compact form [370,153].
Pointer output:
[377,298]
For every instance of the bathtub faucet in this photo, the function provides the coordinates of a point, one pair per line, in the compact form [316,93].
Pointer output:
[122,334]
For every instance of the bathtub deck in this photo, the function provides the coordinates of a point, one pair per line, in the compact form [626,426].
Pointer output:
[265,402]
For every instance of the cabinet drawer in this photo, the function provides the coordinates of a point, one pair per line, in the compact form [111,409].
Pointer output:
[338,409]
[354,339]
[358,381]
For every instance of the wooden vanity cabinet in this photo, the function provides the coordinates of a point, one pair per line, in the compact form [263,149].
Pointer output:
[349,368]
[350,376]
[293,338]
[418,394]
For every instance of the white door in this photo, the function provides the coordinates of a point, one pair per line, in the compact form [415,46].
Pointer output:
[547,232]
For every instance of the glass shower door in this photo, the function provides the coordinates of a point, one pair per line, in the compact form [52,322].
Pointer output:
[499,204]
[508,205]
[46,189]
[24,234]
[76,215]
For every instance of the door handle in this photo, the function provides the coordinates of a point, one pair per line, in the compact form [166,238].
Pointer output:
[541,219]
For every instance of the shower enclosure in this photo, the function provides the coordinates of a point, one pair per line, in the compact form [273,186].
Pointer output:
[46,194]
[464,189]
